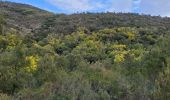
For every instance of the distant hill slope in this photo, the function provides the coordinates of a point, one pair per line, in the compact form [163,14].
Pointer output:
[23,17]
[28,19]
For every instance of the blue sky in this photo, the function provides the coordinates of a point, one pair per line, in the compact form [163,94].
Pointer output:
[153,7]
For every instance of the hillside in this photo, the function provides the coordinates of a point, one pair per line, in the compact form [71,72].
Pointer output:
[86,56]
[36,19]
[23,17]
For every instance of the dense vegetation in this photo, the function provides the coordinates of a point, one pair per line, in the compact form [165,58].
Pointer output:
[92,60]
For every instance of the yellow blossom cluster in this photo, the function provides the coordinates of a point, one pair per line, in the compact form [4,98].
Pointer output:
[32,63]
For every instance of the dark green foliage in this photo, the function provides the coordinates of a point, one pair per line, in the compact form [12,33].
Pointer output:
[102,56]
[2,25]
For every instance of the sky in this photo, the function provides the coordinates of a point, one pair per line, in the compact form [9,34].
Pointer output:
[152,7]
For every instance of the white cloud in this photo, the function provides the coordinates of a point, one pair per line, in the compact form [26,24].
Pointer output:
[156,7]
[91,5]
[119,5]
[153,7]
[76,5]
[136,1]
[122,5]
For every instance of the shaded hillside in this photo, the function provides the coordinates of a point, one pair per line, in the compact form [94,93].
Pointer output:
[31,19]
[68,23]
[23,17]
